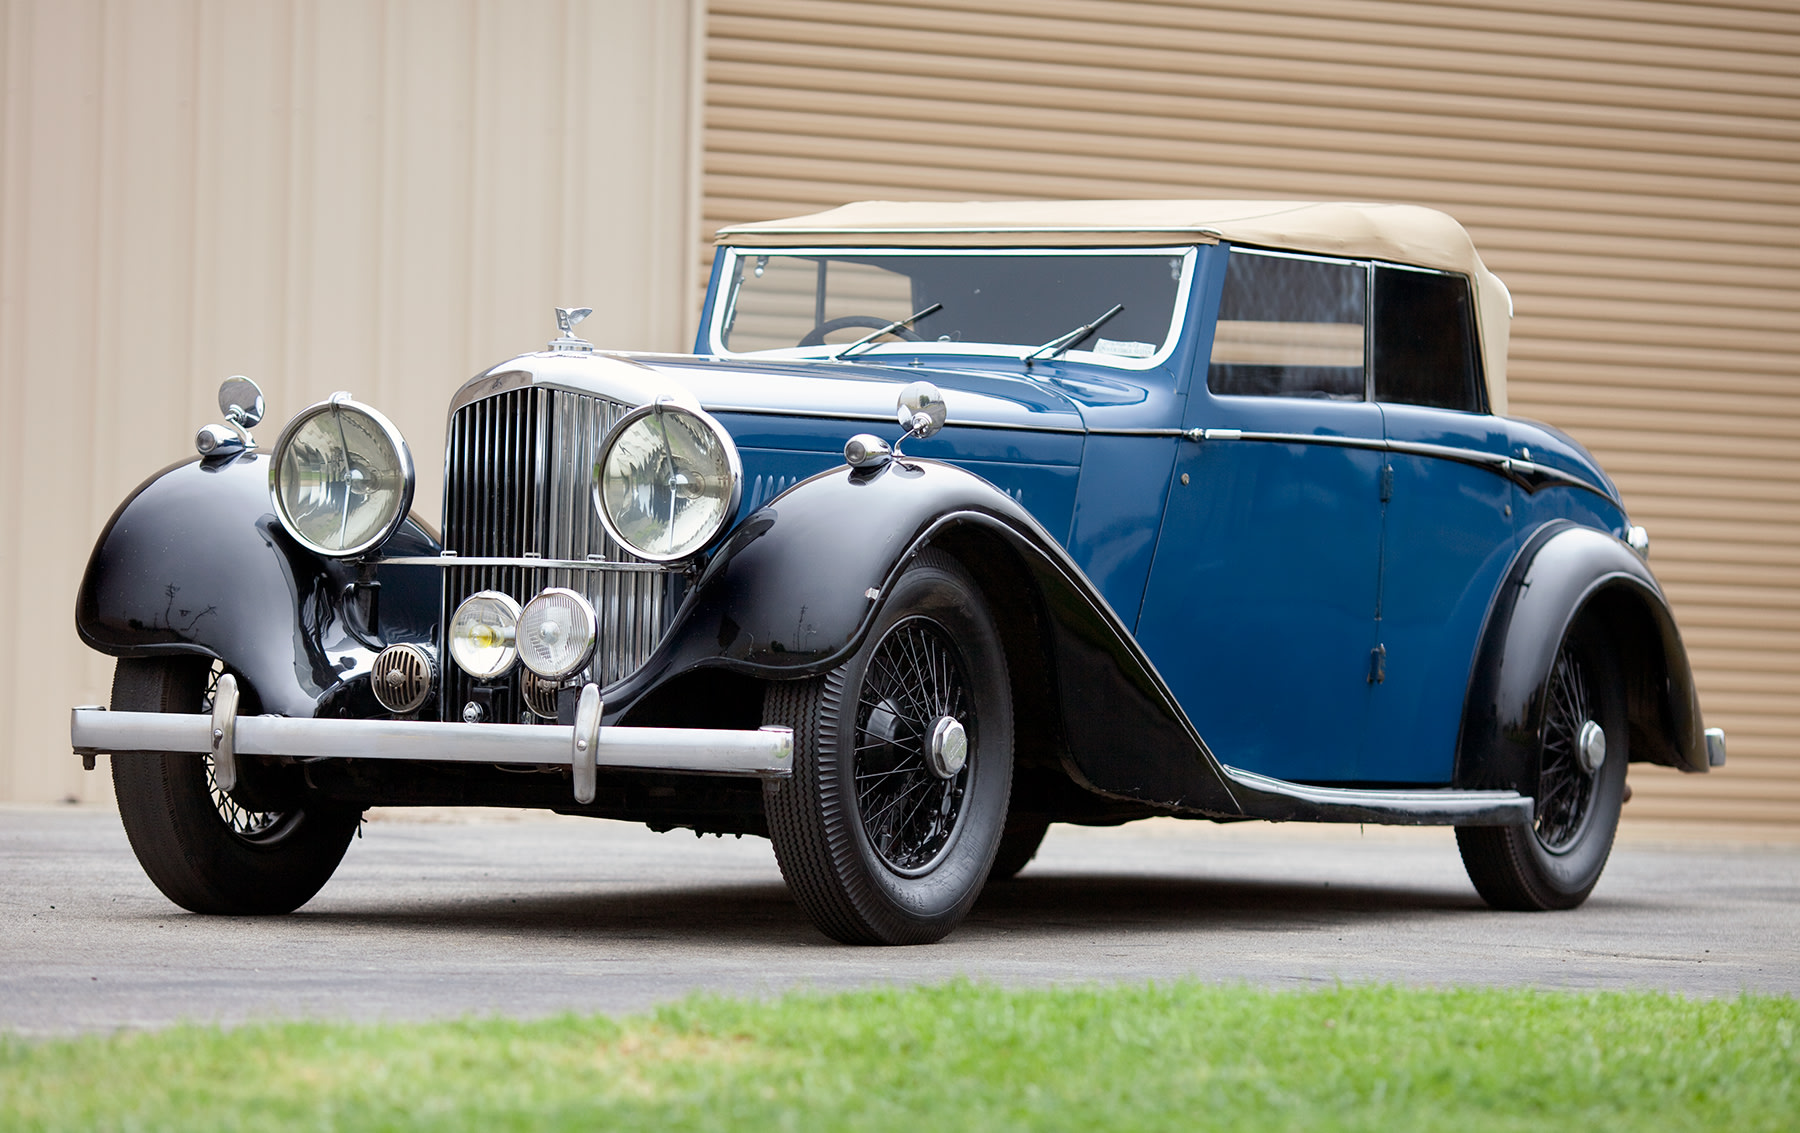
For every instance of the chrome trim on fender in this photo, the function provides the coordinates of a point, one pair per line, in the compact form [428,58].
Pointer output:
[765,753]
[1282,801]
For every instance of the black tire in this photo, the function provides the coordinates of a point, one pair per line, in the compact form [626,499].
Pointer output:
[206,852]
[1018,845]
[1555,862]
[862,856]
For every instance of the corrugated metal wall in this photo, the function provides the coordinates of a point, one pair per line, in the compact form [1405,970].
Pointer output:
[1632,170]
[383,197]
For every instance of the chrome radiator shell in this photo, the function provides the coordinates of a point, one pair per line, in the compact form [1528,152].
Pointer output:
[518,472]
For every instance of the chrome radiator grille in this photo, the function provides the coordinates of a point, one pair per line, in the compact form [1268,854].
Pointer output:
[517,482]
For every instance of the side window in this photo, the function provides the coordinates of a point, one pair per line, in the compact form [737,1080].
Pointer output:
[1290,328]
[1425,340]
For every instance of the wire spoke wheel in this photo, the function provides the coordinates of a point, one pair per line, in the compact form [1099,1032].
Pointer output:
[206,850]
[1577,788]
[251,825]
[913,680]
[1565,788]
[902,766]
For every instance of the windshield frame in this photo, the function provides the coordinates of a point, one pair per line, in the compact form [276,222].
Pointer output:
[728,277]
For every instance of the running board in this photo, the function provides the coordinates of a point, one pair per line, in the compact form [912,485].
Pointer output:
[1280,801]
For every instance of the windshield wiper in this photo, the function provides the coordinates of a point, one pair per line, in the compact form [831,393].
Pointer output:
[889,329]
[1064,342]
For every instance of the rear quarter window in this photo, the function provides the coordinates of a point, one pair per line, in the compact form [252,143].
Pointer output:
[1425,340]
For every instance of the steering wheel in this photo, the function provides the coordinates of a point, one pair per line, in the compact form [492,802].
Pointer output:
[816,336]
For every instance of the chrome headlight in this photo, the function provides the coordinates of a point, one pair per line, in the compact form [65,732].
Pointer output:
[667,482]
[341,477]
[557,633]
[483,632]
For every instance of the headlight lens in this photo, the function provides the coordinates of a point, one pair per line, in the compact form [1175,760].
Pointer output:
[556,633]
[341,477]
[482,634]
[667,482]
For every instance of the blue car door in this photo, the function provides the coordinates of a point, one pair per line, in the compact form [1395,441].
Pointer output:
[1259,609]
[1448,527]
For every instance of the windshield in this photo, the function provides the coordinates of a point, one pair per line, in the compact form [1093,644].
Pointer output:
[810,303]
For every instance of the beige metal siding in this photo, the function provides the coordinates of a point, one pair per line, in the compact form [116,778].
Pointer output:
[383,197]
[1632,170]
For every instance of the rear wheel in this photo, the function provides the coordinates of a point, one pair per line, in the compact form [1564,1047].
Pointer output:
[1018,845]
[1555,862]
[206,851]
[902,767]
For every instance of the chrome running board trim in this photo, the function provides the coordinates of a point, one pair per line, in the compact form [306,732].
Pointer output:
[1281,801]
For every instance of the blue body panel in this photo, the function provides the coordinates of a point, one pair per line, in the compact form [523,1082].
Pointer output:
[1447,538]
[1259,611]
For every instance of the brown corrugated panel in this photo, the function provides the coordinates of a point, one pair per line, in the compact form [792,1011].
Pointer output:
[1632,170]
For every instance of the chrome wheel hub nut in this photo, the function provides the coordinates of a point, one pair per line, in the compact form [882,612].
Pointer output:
[1592,746]
[948,748]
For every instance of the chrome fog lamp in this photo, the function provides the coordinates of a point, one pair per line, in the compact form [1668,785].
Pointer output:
[341,477]
[482,634]
[556,633]
[667,482]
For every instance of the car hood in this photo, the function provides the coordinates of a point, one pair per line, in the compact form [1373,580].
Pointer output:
[863,391]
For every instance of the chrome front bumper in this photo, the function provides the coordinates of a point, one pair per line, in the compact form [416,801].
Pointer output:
[766,753]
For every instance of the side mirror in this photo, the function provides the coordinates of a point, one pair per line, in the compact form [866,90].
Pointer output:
[921,410]
[241,400]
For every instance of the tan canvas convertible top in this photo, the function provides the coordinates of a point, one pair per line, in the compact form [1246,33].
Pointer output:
[1403,234]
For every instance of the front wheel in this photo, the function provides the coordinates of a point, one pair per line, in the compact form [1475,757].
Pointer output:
[1555,862]
[200,846]
[902,767]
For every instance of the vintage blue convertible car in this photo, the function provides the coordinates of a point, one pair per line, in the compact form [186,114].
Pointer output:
[962,519]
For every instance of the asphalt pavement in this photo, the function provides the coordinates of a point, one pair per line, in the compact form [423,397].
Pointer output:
[446,914]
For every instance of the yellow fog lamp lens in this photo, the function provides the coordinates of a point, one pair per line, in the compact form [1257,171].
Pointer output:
[482,633]
[556,633]
[667,482]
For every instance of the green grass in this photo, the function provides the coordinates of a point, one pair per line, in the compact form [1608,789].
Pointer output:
[961,1056]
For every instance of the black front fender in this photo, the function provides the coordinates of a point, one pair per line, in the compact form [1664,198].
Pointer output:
[194,561]
[794,589]
[1562,572]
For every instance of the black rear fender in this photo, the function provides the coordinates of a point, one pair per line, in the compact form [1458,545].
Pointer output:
[1564,572]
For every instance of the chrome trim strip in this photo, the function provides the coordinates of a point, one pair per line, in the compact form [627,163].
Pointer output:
[1282,801]
[527,563]
[1527,474]
[765,753]
[888,419]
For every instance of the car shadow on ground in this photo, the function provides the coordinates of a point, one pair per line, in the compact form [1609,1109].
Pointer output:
[1047,904]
